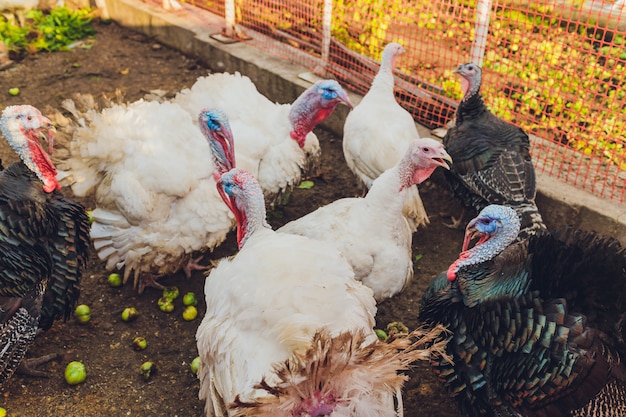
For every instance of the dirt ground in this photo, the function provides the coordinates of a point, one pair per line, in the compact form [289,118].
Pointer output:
[120,58]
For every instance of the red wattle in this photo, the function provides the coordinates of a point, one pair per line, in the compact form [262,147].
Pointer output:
[467,240]
[421,175]
[451,274]
[45,165]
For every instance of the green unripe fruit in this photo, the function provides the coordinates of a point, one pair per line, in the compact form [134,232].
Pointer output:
[165,304]
[171,293]
[382,335]
[115,280]
[195,364]
[75,373]
[190,313]
[129,314]
[189,299]
[82,313]
[147,369]
[140,343]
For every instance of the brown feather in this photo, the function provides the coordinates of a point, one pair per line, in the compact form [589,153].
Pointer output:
[345,369]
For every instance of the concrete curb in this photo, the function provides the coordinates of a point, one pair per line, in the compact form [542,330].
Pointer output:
[189,31]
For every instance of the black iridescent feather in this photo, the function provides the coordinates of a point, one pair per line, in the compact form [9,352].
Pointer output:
[544,336]
[492,162]
[44,243]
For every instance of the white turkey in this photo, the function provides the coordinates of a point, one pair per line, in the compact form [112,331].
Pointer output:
[151,171]
[371,232]
[273,141]
[44,242]
[271,304]
[378,132]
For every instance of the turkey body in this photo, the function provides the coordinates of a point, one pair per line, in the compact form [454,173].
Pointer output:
[377,134]
[282,296]
[44,240]
[492,161]
[537,326]
[274,141]
[262,313]
[149,167]
[371,232]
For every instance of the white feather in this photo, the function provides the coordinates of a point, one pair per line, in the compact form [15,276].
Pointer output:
[371,232]
[150,169]
[266,303]
[378,132]
[261,130]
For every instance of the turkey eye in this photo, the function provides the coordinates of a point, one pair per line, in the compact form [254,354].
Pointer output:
[330,92]
[228,188]
[426,149]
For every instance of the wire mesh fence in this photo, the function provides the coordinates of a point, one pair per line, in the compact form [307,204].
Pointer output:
[556,68]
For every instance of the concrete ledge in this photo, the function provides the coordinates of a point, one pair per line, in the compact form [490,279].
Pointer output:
[189,31]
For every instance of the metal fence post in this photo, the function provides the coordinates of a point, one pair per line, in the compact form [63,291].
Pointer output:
[326,34]
[229,16]
[483,14]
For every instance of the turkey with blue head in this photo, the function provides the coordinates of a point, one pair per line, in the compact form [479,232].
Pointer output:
[492,161]
[537,326]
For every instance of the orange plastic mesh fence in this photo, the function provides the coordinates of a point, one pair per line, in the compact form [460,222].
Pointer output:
[556,68]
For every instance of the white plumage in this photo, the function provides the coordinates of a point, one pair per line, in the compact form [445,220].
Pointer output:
[150,170]
[268,303]
[273,141]
[378,132]
[371,232]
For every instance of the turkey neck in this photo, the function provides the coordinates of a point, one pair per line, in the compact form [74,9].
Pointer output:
[471,107]
[384,79]
[388,194]
[252,213]
[304,116]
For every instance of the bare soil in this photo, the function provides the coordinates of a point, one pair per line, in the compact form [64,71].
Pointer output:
[120,58]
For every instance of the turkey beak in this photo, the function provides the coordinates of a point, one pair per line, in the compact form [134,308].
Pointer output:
[343,97]
[471,233]
[469,236]
[444,160]
[226,141]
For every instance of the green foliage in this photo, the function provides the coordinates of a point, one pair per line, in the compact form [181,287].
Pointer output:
[561,80]
[11,34]
[46,31]
[362,25]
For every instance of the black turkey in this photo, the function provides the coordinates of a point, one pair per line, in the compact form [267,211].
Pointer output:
[44,240]
[492,162]
[537,326]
